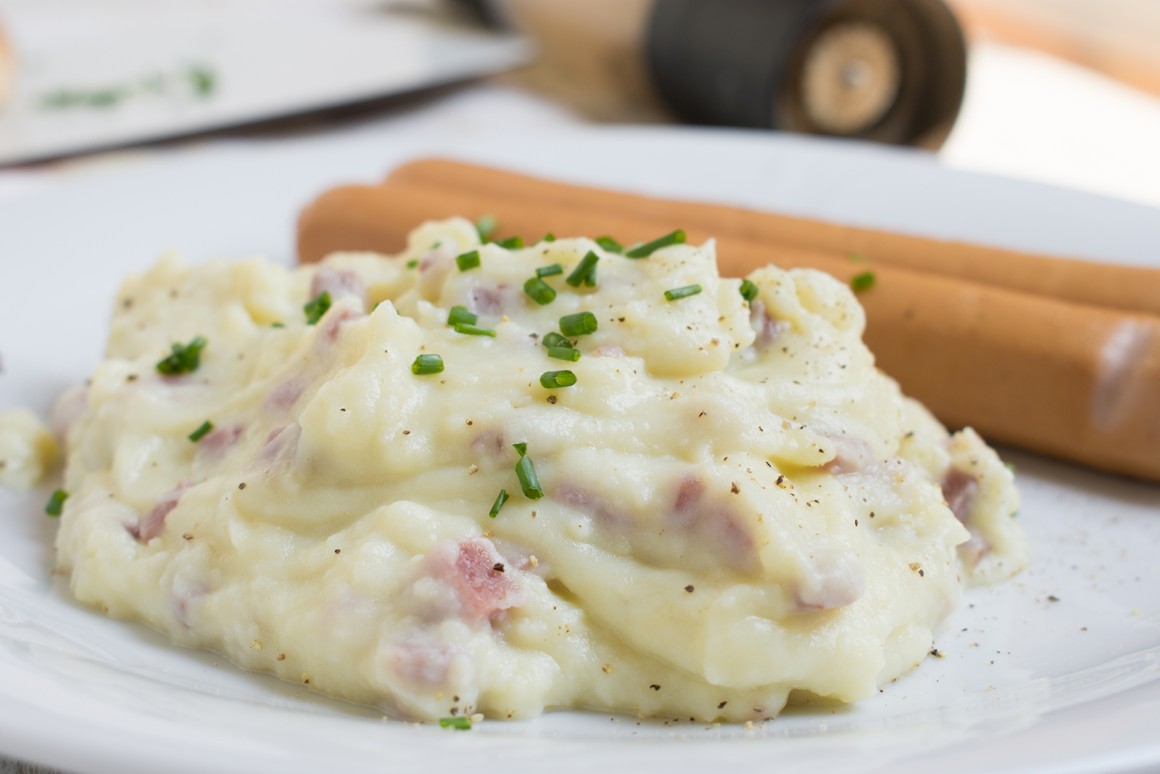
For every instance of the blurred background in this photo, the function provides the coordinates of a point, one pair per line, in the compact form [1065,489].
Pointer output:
[1057,91]
[1063,92]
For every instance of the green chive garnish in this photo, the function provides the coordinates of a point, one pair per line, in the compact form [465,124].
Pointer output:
[202,79]
[55,505]
[511,243]
[564,353]
[425,365]
[202,430]
[277,325]
[468,260]
[549,270]
[539,291]
[551,380]
[585,271]
[863,281]
[549,237]
[412,263]
[500,499]
[554,339]
[473,330]
[485,226]
[579,324]
[316,307]
[459,723]
[521,447]
[183,359]
[609,244]
[682,292]
[461,314]
[748,290]
[526,473]
[529,483]
[648,248]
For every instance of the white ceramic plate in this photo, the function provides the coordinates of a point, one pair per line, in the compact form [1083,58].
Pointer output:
[1059,668]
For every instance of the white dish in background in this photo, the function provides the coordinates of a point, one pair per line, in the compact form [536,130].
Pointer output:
[184,66]
[1059,668]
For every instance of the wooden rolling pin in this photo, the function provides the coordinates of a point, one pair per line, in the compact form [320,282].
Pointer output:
[1077,381]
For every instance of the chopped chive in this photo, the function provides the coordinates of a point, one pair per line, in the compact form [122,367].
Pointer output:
[412,263]
[682,292]
[578,324]
[585,271]
[277,325]
[526,473]
[539,291]
[549,237]
[500,499]
[529,482]
[468,329]
[426,365]
[553,339]
[511,243]
[202,430]
[202,79]
[521,447]
[183,358]
[564,353]
[863,281]
[55,505]
[748,290]
[549,270]
[461,314]
[553,379]
[316,307]
[461,723]
[648,248]
[609,244]
[485,226]
[467,260]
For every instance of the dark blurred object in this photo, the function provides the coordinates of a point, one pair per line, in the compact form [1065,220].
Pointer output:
[886,70]
[1120,38]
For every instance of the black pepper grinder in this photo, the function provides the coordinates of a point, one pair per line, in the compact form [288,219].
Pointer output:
[886,70]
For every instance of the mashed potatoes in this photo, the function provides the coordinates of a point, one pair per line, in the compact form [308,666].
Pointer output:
[728,503]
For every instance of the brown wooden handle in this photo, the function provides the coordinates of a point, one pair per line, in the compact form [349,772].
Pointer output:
[1116,37]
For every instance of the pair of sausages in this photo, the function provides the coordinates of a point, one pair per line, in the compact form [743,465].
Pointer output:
[1054,355]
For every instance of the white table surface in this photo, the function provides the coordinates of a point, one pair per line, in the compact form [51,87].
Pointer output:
[1026,115]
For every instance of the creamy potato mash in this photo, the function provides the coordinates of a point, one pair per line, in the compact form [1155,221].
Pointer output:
[728,504]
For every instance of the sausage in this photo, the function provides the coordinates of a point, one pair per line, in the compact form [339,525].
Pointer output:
[1131,288]
[1072,380]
